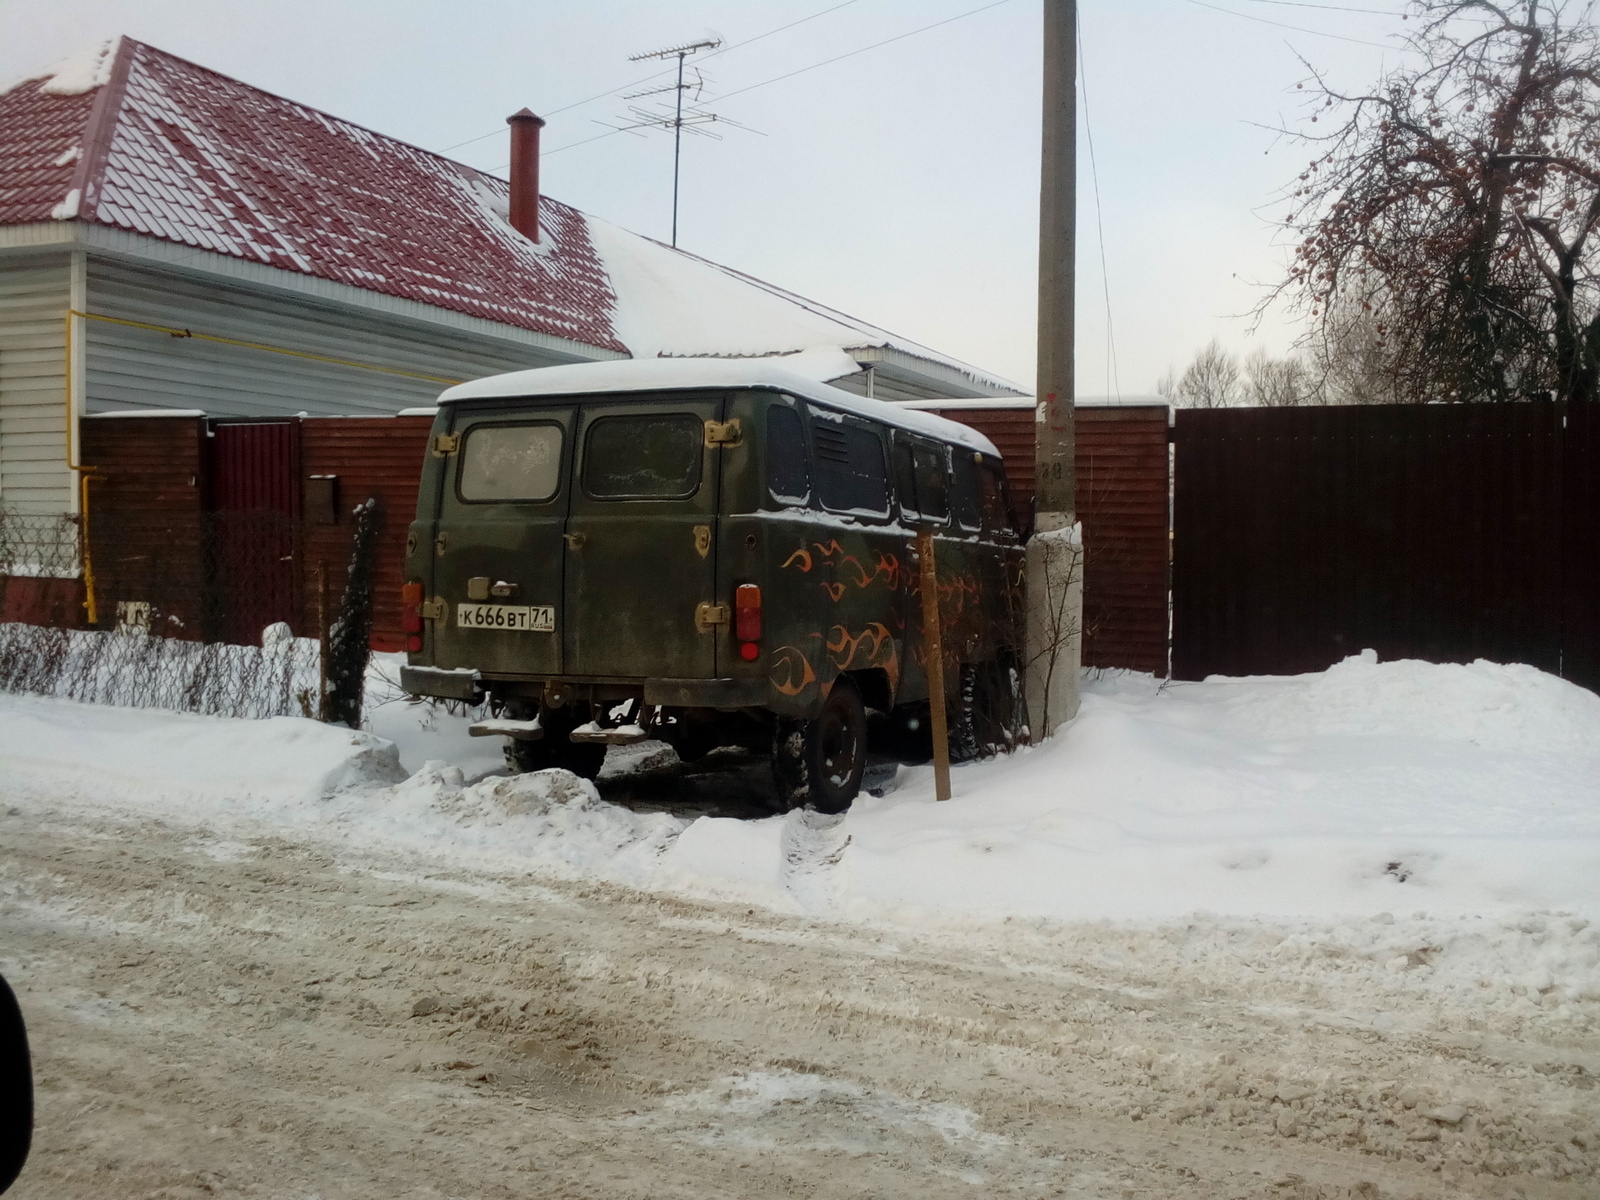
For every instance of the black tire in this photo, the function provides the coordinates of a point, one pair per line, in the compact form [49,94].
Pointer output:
[987,714]
[16,1089]
[554,749]
[819,763]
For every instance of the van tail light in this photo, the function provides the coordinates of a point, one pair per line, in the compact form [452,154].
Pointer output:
[747,620]
[411,615]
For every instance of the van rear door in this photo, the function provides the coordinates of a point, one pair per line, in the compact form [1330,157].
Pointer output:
[498,553]
[641,540]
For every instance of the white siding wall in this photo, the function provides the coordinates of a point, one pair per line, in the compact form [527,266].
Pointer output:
[138,368]
[34,297]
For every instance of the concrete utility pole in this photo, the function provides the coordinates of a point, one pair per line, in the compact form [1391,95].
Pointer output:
[1055,552]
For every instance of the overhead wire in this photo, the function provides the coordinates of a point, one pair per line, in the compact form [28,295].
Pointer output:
[1372,12]
[1112,373]
[972,12]
[1338,37]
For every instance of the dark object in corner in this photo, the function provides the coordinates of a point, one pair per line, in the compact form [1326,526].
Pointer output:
[16,1090]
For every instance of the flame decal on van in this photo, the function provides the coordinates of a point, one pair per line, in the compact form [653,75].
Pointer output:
[872,647]
[791,671]
[851,572]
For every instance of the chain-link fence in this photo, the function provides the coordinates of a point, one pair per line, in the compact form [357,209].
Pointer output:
[133,667]
[194,611]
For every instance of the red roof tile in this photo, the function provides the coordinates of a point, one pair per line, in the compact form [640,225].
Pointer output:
[38,132]
[188,155]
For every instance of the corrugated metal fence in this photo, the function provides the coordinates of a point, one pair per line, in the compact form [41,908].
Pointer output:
[1301,536]
[1123,500]
[1441,532]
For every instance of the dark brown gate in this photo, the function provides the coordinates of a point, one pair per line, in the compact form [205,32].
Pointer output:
[1580,532]
[1441,532]
[254,502]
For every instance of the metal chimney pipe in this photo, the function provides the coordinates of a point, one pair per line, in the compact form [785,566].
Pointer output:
[525,172]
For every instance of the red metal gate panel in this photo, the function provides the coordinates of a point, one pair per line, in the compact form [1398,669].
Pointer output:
[254,506]
[358,458]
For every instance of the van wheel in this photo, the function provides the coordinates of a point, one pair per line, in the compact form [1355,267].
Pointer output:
[554,750]
[819,763]
[986,717]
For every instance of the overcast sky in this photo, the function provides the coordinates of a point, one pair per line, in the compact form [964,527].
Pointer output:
[899,184]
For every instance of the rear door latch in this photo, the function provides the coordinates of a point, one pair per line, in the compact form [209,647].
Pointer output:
[708,616]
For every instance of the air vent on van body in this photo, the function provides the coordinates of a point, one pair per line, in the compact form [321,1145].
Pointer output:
[830,443]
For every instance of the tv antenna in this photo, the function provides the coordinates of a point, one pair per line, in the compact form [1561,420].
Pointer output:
[677,118]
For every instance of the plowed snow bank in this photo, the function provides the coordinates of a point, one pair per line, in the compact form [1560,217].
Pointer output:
[1362,789]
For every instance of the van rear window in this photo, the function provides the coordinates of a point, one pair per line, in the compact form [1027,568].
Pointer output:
[851,475]
[511,462]
[647,457]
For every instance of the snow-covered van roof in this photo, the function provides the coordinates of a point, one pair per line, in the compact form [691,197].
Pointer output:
[680,374]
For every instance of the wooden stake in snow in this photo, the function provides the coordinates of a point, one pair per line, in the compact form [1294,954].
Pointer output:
[933,658]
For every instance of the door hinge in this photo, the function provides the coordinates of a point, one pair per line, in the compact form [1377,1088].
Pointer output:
[434,610]
[445,444]
[708,617]
[725,434]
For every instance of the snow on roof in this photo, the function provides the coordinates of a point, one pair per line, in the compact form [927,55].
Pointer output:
[1129,401]
[185,154]
[129,136]
[733,314]
[679,374]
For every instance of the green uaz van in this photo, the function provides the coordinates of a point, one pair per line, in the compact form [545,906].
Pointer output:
[711,553]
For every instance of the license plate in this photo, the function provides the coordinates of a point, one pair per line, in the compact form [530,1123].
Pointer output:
[523,618]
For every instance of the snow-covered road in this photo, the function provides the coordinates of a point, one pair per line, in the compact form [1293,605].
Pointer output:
[1323,937]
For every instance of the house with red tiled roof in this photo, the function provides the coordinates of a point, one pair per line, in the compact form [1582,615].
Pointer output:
[174,240]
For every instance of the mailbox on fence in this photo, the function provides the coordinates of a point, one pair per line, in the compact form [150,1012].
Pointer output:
[322,499]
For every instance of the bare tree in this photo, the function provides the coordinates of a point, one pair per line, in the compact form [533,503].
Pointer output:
[1351,359]
[1279,382]
[1455,204]
[1211,380]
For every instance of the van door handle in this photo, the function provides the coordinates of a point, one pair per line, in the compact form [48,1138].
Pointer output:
[575,541]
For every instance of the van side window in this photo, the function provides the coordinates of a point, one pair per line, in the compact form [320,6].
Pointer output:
[919,476]
[647,457]
[996,499]
[933,489]
[905,476]
[510,462]
[965,493]
[788,476]
[851,473]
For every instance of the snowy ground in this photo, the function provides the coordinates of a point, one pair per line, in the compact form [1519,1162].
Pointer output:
[1269,937]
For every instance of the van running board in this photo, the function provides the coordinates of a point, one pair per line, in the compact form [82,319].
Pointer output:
[527,731]
[621,735]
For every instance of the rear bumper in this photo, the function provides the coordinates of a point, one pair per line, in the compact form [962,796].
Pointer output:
[446,684]
[467,684]
[706,693]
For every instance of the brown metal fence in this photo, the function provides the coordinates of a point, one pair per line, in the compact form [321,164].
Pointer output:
[1441,532]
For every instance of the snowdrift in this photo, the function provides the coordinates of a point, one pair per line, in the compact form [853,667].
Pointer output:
[1363,791]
